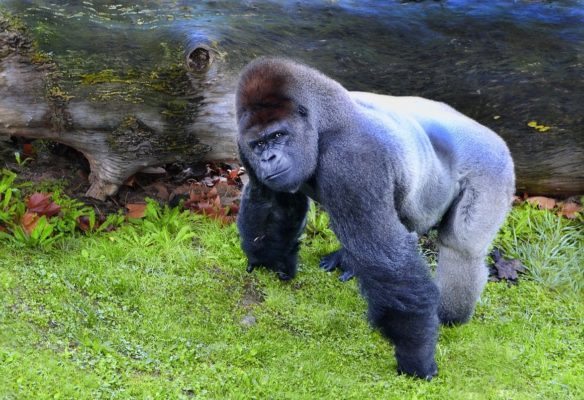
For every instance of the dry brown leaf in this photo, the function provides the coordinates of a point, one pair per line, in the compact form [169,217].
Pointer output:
[131,181]
[136,210]
[163,193]
[83,223]
[28,149]
[29,221]
[544,203]
[233,209]
[517,200]
[569,210]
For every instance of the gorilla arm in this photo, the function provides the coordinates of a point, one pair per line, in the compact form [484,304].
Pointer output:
[270,224]
[394,278]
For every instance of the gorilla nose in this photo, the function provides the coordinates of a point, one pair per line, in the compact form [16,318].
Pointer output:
[270,158]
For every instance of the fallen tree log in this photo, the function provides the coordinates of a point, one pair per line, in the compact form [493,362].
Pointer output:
[120,123]
[125,120]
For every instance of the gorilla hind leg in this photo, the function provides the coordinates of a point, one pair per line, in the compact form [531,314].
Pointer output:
[464,238]
[460,278]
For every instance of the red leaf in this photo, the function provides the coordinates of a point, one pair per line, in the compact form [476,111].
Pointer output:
[233,174]
[28,149]
[42,204]
[204,205]
[136,210]
[233,209]
[195,197]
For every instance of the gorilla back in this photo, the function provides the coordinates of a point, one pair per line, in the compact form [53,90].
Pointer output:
[386,169]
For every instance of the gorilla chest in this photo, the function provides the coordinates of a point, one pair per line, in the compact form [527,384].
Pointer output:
[309,189]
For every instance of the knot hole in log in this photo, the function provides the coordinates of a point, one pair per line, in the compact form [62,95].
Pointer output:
[199,59]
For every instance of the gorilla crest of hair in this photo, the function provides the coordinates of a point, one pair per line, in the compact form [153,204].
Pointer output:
[386,169]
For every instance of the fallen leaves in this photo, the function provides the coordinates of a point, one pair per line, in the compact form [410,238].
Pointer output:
[504,269]
[544,203]
[207,201]
[42,204]
[136,211]
[29,221]
[567,208]
[570,210]
[38,205]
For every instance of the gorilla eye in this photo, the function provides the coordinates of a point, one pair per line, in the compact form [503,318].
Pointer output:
[278,135]
[260,143]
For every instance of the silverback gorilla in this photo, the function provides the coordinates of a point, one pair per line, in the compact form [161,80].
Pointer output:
[385,169]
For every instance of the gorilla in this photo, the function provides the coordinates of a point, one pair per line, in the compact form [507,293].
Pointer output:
[386,169]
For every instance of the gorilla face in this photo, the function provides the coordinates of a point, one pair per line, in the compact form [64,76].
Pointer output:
[278,141]
[280,154]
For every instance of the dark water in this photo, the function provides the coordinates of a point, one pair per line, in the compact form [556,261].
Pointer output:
[504,63]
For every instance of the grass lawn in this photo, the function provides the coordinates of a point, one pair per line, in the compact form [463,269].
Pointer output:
[164,309]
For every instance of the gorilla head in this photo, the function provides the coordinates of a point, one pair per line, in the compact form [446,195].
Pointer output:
[276,112]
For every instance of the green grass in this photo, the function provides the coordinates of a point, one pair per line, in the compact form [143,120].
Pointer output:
[551,247]
[166,310]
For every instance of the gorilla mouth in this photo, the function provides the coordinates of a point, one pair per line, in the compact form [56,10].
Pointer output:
[276,174]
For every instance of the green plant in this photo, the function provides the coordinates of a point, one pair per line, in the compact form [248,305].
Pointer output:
[317,222]
[547,244]
[10,205]
[41,227]
[19,160]
[162,225]
[96,317]
[41,236]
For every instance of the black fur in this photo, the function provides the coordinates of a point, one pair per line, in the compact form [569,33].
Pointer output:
[270,224]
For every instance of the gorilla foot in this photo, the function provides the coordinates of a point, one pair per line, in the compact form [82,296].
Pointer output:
[418,363]
[331,261]
[283,276]
[426,373]
[346,276]
[452,318]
